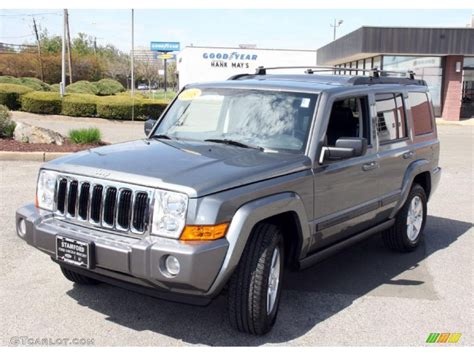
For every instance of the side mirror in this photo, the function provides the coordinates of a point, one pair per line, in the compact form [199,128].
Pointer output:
[149,125]
[344,148]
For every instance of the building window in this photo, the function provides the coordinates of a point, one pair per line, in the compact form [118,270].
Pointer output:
[421,113]
[360,65]
[426,68]
[391,119]
[377,62]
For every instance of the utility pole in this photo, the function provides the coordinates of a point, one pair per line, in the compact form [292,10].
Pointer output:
[337,23]
[62,87]
[132,76]
[39,49]
[166,74]
[69,46]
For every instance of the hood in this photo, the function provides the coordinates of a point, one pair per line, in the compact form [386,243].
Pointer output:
[196,168]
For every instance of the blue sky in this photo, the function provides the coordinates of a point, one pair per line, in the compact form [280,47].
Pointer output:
[302,29]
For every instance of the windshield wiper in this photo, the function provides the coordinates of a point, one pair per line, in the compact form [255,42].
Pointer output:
[163,136]
[234,143]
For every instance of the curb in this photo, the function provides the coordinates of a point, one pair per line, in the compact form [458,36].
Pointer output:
[465,122]
[31,156]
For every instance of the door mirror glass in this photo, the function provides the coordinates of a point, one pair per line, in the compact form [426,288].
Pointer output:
[149,125]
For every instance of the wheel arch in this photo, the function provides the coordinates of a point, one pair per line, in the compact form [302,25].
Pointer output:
[419,172]
[286,206]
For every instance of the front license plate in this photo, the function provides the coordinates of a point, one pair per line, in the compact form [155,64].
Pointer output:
[73,251]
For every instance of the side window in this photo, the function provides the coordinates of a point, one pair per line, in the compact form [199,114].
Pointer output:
[391,120]
[348,119]
[421,113]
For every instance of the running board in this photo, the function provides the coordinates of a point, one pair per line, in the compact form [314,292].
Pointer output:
[333,249]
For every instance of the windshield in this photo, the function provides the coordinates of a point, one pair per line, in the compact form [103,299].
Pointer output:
[267,119]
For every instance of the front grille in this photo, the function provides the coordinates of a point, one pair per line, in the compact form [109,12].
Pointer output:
[103,204]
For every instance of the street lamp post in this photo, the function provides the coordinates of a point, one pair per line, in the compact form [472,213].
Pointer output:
[336,24]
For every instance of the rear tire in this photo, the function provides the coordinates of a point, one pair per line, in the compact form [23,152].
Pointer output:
[406,234]
[78,278]
[255,286]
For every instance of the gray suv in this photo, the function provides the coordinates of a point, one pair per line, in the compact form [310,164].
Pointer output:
[238,180]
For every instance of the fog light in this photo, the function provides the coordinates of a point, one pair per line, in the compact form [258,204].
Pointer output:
[22,227]
[172,265]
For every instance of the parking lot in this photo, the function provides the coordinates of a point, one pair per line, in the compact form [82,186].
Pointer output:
[365,295]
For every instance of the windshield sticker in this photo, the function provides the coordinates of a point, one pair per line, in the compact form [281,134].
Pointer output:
[305,102]
[189,94]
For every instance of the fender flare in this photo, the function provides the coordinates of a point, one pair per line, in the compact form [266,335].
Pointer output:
[245,219]
[415,168]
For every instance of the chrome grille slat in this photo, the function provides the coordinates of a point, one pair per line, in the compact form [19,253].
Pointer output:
[103,204]
[83,201]
[72,198]
[96,204]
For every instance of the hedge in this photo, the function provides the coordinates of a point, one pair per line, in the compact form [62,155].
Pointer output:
[152,108]
[120,107]
[82,87]
[80,105]
[83,105]
[32,83]
[10,95]
[41,102]
[108,87]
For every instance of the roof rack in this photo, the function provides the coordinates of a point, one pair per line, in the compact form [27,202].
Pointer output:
[375,72]
[376,76]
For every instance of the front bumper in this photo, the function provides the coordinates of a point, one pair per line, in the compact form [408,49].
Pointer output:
[133,261]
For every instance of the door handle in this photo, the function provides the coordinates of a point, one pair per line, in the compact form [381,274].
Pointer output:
[408,155]
[370,166]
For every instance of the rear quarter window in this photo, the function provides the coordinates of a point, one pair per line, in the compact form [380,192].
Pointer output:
[421,113]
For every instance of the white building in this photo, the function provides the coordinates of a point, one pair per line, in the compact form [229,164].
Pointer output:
[201,64]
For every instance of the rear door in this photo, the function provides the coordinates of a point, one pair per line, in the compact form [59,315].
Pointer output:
[394,142]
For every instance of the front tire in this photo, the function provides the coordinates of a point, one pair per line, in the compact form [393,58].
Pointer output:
[255,286]
[78,278]
[406,234]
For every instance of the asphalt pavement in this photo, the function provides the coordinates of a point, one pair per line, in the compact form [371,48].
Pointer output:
[365,295]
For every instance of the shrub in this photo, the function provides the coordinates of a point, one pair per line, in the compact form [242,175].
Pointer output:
[85,135]
[35,84]
[152,108]
[109,87]
[120,108]
[32,83]
[82,87]
[7,126]
[79,105]
[10,95]
[41,102]
[54,87]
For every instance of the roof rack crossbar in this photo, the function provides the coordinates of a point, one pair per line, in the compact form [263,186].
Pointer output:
[375,72]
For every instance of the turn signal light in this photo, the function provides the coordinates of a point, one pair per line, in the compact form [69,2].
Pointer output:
[204,232]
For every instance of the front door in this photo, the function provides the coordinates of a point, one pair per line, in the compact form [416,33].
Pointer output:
[346,191]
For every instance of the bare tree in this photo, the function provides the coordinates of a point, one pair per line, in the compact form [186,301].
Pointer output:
[147,69]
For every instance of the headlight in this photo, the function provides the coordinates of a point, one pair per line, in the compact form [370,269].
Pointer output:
[169,213]
[45,189]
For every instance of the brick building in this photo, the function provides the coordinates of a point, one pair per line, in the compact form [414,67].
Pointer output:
[443,57]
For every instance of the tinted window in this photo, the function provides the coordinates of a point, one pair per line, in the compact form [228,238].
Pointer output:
[391,122]
[348,119]
[421,113]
